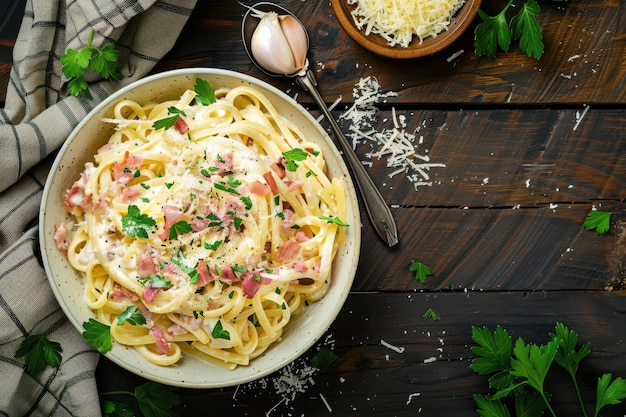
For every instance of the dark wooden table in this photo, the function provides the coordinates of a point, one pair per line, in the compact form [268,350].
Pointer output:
[529,147]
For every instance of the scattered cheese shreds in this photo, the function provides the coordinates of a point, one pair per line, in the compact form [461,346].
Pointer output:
[399,22]
[397,349]
[396,144]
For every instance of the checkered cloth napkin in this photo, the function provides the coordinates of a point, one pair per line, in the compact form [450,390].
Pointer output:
[37,118]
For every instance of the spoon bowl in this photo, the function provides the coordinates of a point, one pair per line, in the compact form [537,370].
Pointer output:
[377,210]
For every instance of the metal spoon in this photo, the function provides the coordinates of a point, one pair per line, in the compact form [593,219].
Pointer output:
[378,211]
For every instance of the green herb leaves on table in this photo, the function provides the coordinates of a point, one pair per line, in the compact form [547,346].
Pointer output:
[496,31]
[103,61]
[518,371]
[599,220]
[155,400]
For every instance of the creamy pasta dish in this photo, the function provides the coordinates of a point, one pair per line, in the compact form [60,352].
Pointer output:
[203,226]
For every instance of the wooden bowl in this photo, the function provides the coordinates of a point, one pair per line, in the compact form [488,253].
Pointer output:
[375,43]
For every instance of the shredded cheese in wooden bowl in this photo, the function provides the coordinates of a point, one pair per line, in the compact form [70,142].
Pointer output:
[405,29]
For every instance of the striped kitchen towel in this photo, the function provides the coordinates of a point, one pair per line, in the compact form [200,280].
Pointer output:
[38,116]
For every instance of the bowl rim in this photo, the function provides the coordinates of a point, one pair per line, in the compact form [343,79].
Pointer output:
[241,374]
[428,46]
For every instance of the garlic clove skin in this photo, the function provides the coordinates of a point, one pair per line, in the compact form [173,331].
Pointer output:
[273,44]
[297,39]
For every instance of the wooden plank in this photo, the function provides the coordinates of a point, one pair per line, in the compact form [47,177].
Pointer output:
[582,63]
[505,158]
[370,378]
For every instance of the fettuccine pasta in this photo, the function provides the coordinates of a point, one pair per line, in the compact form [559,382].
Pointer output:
[203,226]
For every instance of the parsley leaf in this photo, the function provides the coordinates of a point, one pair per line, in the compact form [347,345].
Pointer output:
[492,32]
[599,220]
[102,61]
[292,156]
[333,219]
[431,315]
[168,122]
[156,400]
[609,393]
[204,94]
[247,202]
[98,335]
[489,407]
[213,246]
[496,31]
[421,271]
[115,409]
[135,224]
[525,28]
[39,352]
[532,362]
[179,228]
[218,331]
[323,359]
[131,316]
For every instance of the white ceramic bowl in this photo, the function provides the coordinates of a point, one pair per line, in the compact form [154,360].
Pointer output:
[67,283]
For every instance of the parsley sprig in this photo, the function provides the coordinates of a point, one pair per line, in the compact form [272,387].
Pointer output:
[155,400]
[496,31]
[519,371]
[39,352]
[103,61]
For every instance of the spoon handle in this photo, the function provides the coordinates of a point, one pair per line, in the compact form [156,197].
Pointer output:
[377,209]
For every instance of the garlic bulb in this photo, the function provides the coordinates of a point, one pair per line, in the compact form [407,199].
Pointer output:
[279,44]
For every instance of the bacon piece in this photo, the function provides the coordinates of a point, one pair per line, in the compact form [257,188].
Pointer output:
[119,292]
[295,185]
[279,168]
[171,214]
[251,284]
[288,251]
[300,267]
[271,182]
[228,274]
[224,165]
[259,188]
[124,170]
[288,220]
[176,329]
[181,126]
[301,236]
[149,293]
[204,276]
[76,196]
[162,345]
[130,193]
[61,240]
[145,262]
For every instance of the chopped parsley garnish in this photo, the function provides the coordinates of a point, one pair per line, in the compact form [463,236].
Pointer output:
[156,281]
[39,352]
[135,224]
[179,228]
[191,272]
[131,316]
[247,202]
[218,331]
[293,156]
[239,268]
[213,246]
[169,185]
[225,188]
[204,94]
[98,335]
[431,315]
[333,219]
[168,122]
[323,359]
[237,222]
[215,221]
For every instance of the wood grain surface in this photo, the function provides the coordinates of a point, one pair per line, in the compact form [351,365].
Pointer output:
[529,147]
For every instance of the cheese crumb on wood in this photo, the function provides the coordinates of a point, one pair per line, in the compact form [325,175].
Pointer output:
[399,22]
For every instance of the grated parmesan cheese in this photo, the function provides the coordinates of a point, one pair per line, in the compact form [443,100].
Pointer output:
[396,144]
[398,22]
